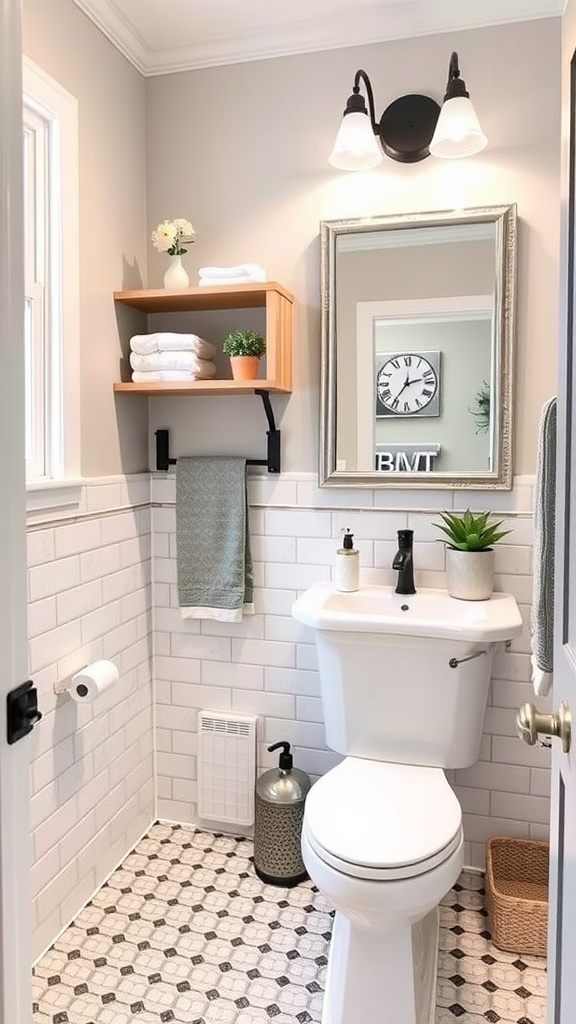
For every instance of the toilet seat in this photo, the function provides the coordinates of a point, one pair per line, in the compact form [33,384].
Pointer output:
[382,821]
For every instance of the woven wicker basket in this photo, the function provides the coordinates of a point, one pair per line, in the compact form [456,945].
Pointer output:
[517,894]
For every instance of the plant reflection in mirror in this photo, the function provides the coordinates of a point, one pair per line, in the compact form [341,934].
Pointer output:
[481,412]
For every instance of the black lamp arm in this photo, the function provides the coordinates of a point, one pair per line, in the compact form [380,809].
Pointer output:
[362,76]
[455,87]
[453,70]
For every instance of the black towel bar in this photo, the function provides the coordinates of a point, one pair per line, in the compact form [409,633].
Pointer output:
[272,462]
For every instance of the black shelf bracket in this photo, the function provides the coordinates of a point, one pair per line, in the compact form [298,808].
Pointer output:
[272,461]
[163,460]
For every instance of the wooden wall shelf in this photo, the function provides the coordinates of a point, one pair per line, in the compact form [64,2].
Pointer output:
[278,332]
[201,387]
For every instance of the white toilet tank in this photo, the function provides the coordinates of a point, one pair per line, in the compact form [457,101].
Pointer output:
[399,699]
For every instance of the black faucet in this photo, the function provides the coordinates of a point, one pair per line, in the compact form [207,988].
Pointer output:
[404,563]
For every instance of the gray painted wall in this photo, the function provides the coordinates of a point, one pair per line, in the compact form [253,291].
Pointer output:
[242,151]
[250,169]
[113,242]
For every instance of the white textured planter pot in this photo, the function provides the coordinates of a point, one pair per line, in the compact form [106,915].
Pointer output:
[470,574]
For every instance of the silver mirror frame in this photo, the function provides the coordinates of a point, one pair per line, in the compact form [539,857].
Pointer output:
[504,219]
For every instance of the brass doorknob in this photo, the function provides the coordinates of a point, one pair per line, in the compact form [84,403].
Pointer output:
[531,723]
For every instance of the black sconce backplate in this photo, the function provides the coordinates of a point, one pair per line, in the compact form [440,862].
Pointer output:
[407,126]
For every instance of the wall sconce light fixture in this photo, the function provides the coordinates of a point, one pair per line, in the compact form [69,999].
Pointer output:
[410,129]
[458,132]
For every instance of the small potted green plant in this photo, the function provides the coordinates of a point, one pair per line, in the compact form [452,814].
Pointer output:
[481,411]
[470,553]
[245,349]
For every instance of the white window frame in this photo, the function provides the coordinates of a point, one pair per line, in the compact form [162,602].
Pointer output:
[57,271]
[36,265]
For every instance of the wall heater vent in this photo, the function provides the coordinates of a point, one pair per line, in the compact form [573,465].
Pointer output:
[226,767]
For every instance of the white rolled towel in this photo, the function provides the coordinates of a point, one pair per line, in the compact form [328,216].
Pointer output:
[251,271]
[165,341]
[211,282]
[170,361]
[154,376]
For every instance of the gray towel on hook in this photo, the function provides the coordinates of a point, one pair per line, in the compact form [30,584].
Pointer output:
[544,538]
[213,555]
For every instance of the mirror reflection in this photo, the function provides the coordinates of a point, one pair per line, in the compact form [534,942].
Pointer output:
[417,349]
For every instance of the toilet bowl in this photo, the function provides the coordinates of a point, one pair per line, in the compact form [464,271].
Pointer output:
[384,843]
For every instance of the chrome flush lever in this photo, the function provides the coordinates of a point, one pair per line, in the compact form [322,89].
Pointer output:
[531,723]
[454,662]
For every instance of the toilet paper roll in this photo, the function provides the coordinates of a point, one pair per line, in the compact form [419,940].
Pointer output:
[93,680]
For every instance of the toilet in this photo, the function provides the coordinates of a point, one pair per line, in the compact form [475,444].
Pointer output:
[383,842]
[382,832]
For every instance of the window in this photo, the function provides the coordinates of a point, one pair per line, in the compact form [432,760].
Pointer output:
[51,322]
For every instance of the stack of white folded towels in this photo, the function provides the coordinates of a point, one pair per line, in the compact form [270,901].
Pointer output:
[243,273]
[168,356]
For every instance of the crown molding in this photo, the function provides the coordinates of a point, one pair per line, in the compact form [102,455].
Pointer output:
[120,32]
[372,23]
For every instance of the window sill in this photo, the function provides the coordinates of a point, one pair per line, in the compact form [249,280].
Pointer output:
[53,495]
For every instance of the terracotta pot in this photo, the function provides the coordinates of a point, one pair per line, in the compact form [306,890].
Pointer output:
[244,367]
[470,574]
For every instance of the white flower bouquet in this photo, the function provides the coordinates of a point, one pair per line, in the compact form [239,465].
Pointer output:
[170,235]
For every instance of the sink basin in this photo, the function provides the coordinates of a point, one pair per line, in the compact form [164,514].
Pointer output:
[430,613]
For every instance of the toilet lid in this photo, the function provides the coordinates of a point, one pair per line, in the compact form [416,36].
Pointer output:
[372,819]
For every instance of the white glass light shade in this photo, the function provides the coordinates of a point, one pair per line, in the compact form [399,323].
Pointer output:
[356,147]
[458,132]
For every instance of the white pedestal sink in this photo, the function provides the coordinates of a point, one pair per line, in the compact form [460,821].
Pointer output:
[430,613]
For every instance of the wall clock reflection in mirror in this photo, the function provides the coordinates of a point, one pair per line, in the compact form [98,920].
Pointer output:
[407,384]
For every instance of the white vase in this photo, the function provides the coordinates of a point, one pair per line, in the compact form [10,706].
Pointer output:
[470,574]
[176,276]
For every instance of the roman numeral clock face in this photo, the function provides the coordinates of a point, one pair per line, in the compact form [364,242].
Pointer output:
[408,385]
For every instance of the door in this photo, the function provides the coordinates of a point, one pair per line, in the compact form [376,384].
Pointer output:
[562,927]
[14,793]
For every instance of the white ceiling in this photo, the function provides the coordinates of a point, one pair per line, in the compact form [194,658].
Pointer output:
[160,36]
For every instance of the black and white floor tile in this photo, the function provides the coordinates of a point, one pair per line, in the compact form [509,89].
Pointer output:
[184,931]
[478,983]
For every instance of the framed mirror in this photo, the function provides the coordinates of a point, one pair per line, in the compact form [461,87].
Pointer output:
[418,319]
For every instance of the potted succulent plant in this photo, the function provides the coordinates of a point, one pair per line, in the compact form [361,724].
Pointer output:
[245,349]
[470,553]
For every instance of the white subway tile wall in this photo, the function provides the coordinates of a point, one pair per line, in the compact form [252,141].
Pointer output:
[92,775]
[94,592]
[267,666]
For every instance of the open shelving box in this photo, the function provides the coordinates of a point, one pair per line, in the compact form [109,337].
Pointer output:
[278,333]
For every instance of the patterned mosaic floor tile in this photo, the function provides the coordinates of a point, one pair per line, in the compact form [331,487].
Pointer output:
[185,932]
[476,981]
